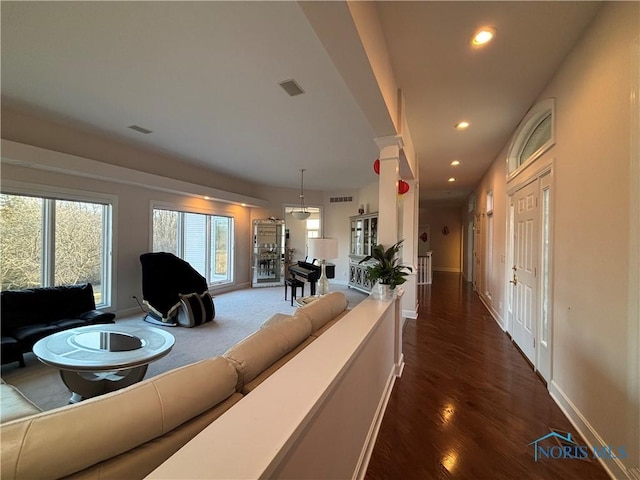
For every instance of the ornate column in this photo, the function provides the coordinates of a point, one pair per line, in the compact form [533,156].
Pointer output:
[398,217]
[388,224]
[409,223]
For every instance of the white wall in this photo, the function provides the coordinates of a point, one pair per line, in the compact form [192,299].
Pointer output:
[595,340]
[446,248]
[368,195]
[491,278]
[591,301]
[336,225]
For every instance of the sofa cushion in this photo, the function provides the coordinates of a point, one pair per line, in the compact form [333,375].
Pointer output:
[323,310]
[14,404]
[267,372]
[109,425]
[142,460]
[30,334]
[263,348]
[276,318]
[69,323]
[95,317]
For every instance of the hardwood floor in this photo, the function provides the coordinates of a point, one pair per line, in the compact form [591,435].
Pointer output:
[468,404]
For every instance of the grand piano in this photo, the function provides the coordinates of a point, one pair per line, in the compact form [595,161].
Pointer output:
[310,272]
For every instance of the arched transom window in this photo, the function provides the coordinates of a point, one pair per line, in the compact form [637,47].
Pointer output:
[534,136]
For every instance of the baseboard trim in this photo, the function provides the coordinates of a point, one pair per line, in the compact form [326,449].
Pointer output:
[615,468]
[215,290]
[372,435]
[495,315]
[129,312]
[400,366]
[412,314]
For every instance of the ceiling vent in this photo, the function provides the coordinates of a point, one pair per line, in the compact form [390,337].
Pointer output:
[140,129]
[291,87]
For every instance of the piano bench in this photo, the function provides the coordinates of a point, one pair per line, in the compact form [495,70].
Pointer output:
[294,284]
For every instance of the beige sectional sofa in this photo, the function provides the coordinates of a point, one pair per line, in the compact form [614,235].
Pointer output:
[128,433]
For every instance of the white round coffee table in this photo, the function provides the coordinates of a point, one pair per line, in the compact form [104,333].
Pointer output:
[97,359]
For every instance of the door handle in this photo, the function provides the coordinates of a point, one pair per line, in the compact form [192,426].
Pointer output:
[515,280]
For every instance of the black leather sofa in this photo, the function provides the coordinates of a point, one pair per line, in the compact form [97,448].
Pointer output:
[31,314]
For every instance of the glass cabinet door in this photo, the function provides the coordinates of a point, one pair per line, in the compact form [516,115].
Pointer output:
[352,249]
[366,238]
[374,234]
[356,237]
[364,234]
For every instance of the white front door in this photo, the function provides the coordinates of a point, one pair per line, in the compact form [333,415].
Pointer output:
[526,245]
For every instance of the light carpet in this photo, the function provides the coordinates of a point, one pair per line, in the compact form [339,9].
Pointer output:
[238,314]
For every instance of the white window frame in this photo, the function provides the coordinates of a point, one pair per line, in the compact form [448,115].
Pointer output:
[11,187]
[531,121]
[489,202]
[202,211]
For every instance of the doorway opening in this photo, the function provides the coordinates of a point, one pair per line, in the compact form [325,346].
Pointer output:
[298,232]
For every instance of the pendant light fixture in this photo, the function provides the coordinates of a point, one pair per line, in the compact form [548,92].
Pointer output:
[302,213]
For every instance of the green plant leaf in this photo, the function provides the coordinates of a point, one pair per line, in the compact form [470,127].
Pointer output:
[388,269]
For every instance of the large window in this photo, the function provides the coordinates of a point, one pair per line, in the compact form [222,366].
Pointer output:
[55,241]
[205,241]
[313,227]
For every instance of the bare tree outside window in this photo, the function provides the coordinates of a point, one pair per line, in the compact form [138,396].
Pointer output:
[47,242]
[20,241]
[78,244]
[165,231]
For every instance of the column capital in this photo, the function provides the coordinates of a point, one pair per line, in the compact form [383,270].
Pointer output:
[391,143]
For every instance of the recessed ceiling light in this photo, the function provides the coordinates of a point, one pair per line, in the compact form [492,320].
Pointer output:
[455,163]
[452,179]
[462,125]
[243,204]
[483,36]
[207,198]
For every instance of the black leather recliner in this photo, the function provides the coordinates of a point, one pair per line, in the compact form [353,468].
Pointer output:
[174,292]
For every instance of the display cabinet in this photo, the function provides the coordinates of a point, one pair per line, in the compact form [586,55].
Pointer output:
[268,253]
[364,236]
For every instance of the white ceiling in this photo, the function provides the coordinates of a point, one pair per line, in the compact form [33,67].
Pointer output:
[203,76]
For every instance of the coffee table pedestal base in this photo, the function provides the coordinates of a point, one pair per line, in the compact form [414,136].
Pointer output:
[85,385]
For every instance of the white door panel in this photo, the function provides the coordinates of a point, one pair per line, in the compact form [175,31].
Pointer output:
[526,246]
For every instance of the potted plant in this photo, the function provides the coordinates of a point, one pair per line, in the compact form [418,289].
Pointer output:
[387,271]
